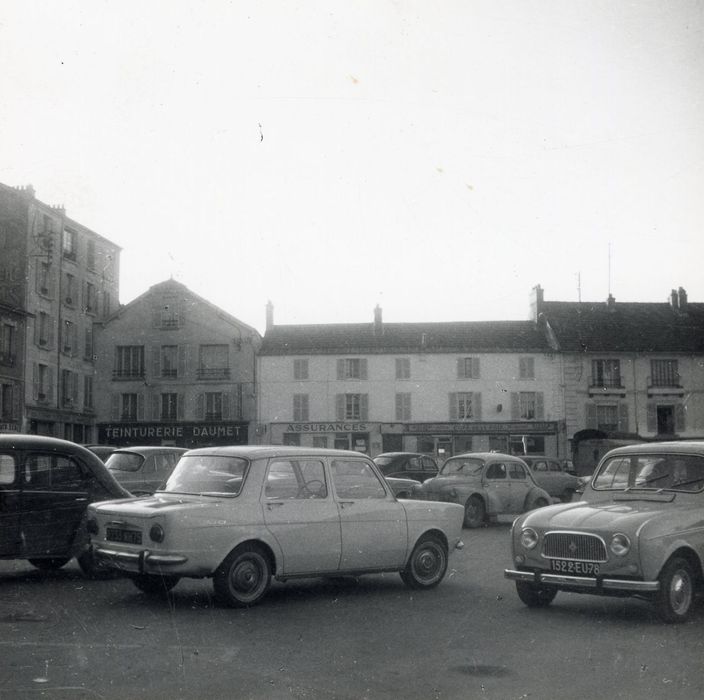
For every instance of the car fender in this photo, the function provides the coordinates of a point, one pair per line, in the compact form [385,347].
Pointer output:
[491,500]
[533,495]
[656,550]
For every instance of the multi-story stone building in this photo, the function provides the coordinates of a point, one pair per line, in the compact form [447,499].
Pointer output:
[57,278]
[629,371]
[175,369]
[439,388]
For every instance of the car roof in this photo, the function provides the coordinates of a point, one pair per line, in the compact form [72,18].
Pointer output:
[263,451]
[676,446]
[26,441]
[487,455]
[151,449]
[402,454]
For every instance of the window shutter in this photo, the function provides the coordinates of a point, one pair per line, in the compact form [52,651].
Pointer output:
[49,383]
[680,412]
[652,418]
[35,381]
[340,369]
[182,357]
[539,405]
[477,406]
[156,361]
[50,332]
[399,406]
[340,406]
[115,406]
[180,406]
[460,368]
[590,410]
[475,368]
[155,406]
[16,402]
[200,407]
[74,387]
[514,406]
[623,417]
[363,368]
[36,327]
[140,406]
[225,398]
[453,406]
[364,406]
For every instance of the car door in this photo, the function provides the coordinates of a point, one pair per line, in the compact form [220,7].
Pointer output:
[302,516]
[520,485]
[372,521]
[498,488]
[10,504]
[54,499]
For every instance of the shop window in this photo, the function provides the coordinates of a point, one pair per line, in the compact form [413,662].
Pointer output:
[292,439]
[320,441]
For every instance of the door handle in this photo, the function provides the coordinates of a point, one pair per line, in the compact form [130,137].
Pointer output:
[81,500]
[275,503]
[346,503]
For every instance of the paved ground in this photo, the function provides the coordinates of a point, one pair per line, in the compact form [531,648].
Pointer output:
[63,637]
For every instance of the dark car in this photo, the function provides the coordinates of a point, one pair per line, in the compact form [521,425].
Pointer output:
[103,451]
[552,475]
[46,485]
[142,470]
[407,465]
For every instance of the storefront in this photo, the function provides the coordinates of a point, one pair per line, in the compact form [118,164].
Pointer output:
[188,435]
[340,435]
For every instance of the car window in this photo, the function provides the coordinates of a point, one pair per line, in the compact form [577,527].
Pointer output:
[44,471]
[465,466]
[354,478]
[539,466]
[414,463]
[496,471]
[647,471]
[124,461]
[7,469]
[517,471]
[161,463]
[428,464]
[208,474]
[295,479]
[554,467]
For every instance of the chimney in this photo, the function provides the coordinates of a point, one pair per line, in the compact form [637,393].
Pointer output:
[536,302]
[269,315]
[674,302]
[611,302]
[682,300]
[378,325]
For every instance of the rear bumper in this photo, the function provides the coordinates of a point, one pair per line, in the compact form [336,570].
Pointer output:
[140,562]
[592,583]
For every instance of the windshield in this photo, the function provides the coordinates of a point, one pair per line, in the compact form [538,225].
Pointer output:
[124,461]
[462,465]
[671,472]
[207,474]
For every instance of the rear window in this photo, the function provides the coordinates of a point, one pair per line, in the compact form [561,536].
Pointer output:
[124,461]
[207,474]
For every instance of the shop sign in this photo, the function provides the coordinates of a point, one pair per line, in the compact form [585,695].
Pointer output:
[9,427]
[341,427]
[188,432]
[481,428]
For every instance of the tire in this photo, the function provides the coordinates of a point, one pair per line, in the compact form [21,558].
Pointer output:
[535,596]
[474,512]
[674,601]
[243,578]
[427,564]
[154,584]
[50,564]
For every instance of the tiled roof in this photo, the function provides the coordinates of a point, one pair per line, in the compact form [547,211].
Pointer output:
[486,336]
[625,326]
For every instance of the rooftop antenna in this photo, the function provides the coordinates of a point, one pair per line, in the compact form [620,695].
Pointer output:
[579,286]
[609,285]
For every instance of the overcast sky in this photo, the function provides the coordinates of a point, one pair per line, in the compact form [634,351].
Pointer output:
[436,158]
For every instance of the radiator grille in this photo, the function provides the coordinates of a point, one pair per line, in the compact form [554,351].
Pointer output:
[574,545]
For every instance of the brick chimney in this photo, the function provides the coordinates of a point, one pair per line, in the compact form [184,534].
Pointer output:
[536,302]
[682,300]
[674,301]
[269,315]
[378,324]
[611,302]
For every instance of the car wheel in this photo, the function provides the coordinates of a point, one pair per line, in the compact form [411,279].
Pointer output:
[243,578]
[535,596]
[154,584]
[50,564]
[474,512]
[427,565]
[674,600]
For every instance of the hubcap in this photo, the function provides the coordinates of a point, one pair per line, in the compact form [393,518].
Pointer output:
[245,577]
[680,592]
[427,564]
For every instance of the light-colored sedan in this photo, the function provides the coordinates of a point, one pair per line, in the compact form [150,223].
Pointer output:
[637,531]
[486,485]
[241,515]
[142,470]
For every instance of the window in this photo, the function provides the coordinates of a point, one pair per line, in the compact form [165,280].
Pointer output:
[300,407]
[88,392]
[320,441]
[496,471]
[527,405]
[516,471]
[526,368]
[42,329]
[169,406]
[664,373]
[167,315]
[468,368]
[90,255]
[403,407]
[7,344]
[607,418]
[106,303]
[6,402]
[69,244]
[300,369]
[68,339]
[44,278]
[352,406]
[352,368]
[213,405]
[43,382]
[69,388]
[403,368]
[299,479]
[90,298]
[213,362]
[88,343]
[69,290]
[355,479]
[606,373]
[7,469]
[128,407]
[43,471]
[465,405]
[169,360]
[129,361]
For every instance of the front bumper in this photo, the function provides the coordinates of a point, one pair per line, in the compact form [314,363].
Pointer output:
[597,585]
[142,562]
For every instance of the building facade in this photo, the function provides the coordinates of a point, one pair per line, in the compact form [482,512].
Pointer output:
[57,278]
[173,369]
[438,388]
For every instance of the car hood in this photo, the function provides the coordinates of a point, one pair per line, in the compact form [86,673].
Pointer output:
[439,482]
[148,506]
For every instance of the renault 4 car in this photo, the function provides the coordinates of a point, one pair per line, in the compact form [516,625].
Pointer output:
[242,515]
[637,531]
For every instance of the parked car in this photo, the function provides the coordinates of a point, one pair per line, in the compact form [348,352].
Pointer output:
[637,531]
[244,514]
[551,475]
[103,451]
[402,488]
[142,470]
[45,486]
[407,465]
[486,484]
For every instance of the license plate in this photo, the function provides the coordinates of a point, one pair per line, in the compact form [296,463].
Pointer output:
[126,536]
[578,568]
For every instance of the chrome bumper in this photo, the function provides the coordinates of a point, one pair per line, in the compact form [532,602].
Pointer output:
[598,584]
[139,559]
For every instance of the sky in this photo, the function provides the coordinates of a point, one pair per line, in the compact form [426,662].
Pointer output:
[438,159]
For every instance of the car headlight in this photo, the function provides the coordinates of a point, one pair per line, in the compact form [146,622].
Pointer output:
[620,544]
[156,533]
[529,538]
